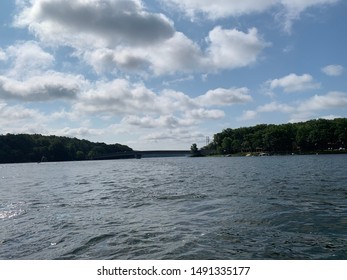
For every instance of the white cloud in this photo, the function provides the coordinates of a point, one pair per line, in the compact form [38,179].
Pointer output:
[332,99]
[202,113]
[17,112]
[231,48]
[314,106]
[138,105]
[333,70]
[114,35]
[63,114]
[47,86]
[28,59]
[176,54]
[119,97]
[248,115]
[224,97]
[289,10]
[3,55]
[220,8]
[19,119]
[294,8]
[166,121]
[80,132]
[227,49]
[330,117]
[275,107]
[178,80]
[147,110]
[294,83]
[301,5]
[100,23]
[117,38]
[174,135]
[29,76]
[267,108]
[171,101]
[301,110]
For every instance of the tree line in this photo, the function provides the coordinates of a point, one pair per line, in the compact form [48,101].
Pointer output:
[16,148]
[306,137]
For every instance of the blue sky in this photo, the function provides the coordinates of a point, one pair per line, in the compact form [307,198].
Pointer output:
[161,74]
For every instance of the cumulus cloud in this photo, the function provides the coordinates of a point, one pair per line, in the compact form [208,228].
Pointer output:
[267,108]
[3,56]
[220,8]
[121,97]
[48,86]
[314,106]
[108,22]
[143,108]
[301,110]
[293,83]
[248,115]
[289,10]
[117,97]
[227,49]
[19,119]
[178,54]
[114,35]
[202,113]
[17,112]
[174,135]
[231,48]
[330,117]
[275,107]
[80,132]
[28,59]
[121,37]
[333,70]
[223,97]
[332,99]
[171,100]
[294,8]
[29,76]
[166,121]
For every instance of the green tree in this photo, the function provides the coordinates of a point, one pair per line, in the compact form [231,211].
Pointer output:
[26,148]
[80,155]
[236,145]
[309,136]
[57,151]
[194,149]
[227,145]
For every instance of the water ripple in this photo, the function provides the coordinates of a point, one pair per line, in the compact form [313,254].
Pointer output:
[176,208]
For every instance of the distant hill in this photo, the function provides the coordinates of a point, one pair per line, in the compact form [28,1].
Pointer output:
[35,148]
[329,136]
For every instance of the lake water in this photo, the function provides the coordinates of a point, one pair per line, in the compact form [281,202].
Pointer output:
[285,207]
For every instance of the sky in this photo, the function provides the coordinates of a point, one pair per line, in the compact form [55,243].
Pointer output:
[157,74]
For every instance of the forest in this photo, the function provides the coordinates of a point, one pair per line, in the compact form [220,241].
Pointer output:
[328,136]
[17,148]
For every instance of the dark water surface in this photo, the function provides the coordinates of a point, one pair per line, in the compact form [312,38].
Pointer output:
[290,207]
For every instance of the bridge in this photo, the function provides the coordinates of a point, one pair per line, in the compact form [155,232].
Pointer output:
[143,154]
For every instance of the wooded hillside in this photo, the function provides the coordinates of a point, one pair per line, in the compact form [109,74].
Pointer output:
[34,148]
[305,137]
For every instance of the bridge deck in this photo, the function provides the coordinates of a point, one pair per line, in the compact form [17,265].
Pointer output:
[144,154]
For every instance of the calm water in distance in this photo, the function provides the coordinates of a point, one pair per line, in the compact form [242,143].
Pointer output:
[285,207]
